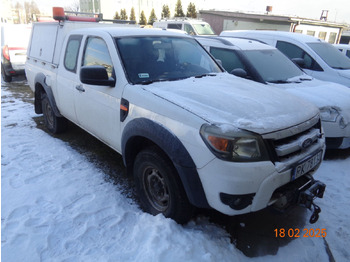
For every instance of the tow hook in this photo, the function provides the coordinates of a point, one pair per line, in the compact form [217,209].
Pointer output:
[314,217]
[306,198]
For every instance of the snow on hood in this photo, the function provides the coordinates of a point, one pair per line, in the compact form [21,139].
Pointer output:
[344,73]
[322,94]
[227,99]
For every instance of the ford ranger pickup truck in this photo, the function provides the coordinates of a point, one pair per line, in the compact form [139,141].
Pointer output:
[191,134]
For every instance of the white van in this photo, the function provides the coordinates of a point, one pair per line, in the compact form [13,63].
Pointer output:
[317,57]
[190,26]
[262,63]
[344,48]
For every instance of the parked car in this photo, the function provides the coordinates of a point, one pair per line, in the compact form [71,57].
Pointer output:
[14,41]
[344,48]
[189,133]
[265,64]
[317,57]
[190,26]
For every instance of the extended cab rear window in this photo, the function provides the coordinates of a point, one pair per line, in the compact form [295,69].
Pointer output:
[72,52]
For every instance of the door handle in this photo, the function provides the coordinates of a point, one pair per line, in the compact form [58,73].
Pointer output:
[80,88]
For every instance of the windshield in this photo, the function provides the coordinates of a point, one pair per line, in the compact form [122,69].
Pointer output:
[272,65]
[203,29]
[151,59]
[331,55]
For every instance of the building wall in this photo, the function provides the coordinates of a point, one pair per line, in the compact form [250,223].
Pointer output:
[329,34]
[254,25]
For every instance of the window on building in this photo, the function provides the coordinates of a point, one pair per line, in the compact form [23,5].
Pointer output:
[322,35]
[332,38]
[309,32]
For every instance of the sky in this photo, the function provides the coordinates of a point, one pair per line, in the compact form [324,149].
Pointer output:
[339,10]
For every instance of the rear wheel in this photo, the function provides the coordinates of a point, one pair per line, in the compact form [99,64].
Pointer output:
[53,123]
[159,187]
[5,77]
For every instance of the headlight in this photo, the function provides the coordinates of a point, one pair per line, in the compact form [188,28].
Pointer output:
[329,114]
[233,144]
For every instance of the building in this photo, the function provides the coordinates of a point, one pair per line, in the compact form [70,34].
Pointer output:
[225,20]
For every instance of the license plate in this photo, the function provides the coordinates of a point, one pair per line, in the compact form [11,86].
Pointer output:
[306,166]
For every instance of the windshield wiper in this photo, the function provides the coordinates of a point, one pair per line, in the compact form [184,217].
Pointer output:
[279,82]
[206,74]
[341,68]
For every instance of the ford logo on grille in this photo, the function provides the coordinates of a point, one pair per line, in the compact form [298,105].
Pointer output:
[306,143]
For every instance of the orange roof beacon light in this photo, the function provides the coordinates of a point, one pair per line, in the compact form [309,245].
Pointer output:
[58,13]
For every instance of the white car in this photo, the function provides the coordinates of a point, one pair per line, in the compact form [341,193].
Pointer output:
[317,57]
[14,41]
[263,63]
[344,48]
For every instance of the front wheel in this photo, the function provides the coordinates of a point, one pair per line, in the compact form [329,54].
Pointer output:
[159,187]
[53,123]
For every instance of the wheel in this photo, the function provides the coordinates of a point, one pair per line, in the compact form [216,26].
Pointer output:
[159,187]
[53,123]
[5,77]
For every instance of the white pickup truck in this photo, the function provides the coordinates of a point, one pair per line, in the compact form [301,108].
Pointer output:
[190,134]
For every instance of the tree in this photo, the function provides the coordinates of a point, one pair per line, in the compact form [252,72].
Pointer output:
[30,9]
[178,9]
[123,15]
[74,6]
[152,17]
[143,20]
[191,11]
[165,11]
[132,14]
[116,16]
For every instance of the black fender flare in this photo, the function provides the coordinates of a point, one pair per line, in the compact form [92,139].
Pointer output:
[141,132]
[41,86]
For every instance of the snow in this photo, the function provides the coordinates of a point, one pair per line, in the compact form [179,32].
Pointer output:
[59,206]
[243,103]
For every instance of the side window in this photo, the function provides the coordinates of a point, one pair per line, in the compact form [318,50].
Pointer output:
[175,26]
[229,58]
[293,51]
[72,52]
[189,29]
[348,53]
[96,53]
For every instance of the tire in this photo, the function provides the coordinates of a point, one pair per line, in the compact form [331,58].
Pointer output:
[53,123]
[159,187]
[5,77]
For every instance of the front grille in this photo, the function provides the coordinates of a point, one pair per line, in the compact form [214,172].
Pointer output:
[289,143]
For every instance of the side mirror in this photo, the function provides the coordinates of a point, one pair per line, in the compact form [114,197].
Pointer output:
[239,72]
[96,75]
[299,62]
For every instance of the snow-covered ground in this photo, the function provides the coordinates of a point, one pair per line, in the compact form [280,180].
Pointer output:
[57,206]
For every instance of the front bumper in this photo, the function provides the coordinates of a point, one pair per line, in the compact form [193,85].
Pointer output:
[240,188]
[336,137]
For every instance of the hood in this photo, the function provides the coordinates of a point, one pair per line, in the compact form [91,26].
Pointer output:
[344,73]
[322,94]
[244,104]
